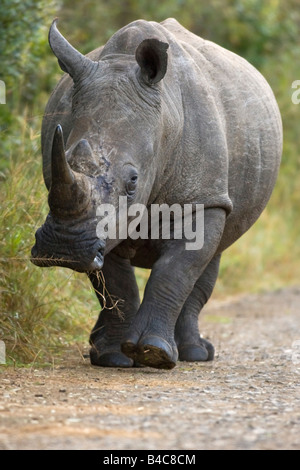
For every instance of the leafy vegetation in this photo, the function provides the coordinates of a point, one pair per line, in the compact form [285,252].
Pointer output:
[43,311]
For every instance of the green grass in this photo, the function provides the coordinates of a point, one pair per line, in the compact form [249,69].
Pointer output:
[265,258]
[42,311]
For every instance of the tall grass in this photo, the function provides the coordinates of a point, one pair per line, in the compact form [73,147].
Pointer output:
[39,311]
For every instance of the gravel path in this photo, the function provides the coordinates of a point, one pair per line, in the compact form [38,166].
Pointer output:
[248,398]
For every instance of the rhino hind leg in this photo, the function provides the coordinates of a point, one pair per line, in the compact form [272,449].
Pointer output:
[191,347]
[118,295]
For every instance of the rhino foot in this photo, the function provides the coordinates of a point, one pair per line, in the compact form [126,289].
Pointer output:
[151,351]
[110,359]
[202,351]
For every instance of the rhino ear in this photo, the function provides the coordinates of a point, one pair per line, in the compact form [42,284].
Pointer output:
[152,57]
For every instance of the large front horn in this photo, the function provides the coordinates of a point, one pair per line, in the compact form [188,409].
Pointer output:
[69,59]
[69,191]
[60,169]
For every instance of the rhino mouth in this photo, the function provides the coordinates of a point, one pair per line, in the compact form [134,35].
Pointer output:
[81,266]
[97,264]
[80,260]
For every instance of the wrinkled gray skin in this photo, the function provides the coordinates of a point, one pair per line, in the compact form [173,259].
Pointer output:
[167,117]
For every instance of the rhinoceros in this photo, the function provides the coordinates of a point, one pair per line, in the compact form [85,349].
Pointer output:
[158,116]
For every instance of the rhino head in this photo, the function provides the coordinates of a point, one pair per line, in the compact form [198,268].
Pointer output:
[111,150]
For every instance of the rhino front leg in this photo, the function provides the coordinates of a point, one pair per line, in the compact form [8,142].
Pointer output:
[118,286]
[150,338]
[191,347]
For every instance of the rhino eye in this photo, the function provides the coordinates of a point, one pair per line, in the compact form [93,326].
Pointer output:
[131,185]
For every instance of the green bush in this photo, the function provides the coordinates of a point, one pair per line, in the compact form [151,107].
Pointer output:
[38,314]
[27,66]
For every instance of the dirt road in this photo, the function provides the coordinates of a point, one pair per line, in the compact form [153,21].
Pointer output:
[248,398]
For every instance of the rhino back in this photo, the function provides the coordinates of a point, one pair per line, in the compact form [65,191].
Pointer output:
[248,120]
